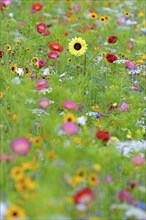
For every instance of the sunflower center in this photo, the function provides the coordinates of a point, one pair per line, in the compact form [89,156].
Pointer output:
[15,214]
[77,46]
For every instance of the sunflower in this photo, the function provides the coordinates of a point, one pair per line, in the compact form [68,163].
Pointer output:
[34,60]
[8,47]
[18,43]
[102,19]
[37,141]
[69,118]
[13,68]
[69,60]
[93,180]
[12,53]
[77,46]
[81,172]
[93,16]
[51,155]
[126,13]
[15,212]
[17,173]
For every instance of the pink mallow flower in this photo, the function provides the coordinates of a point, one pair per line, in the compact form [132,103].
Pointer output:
[53,55]
[21,146]
[124,107]
[70,105]
[44,103]
[138,161]
[130,65]
[42,63]
[125,196]
[70,128]
[41,84]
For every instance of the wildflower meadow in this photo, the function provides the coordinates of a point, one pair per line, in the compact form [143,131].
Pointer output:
[73,107]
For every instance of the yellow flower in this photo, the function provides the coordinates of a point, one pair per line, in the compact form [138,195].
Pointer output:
[1,95]
[37,141]
[126,13]
[69,118]
[107,18]
[93,180]
[93,16]
[36,65]
[96,167]
[12,53]
[77,140]
[77,46]
[18,43]
[102,19]
[69,60]
[139,62]
[34,60]
[81,172]
[95,108]
[77,180]
[16,173]
[68,1]
[13,68]
[14,117]
[69,200]
[8,47]
[27,49]
[51,155]
[97,122]
[143,57]
[25,184]
[15,212]
[140,14]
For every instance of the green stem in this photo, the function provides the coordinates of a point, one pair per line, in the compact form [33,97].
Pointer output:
[85,65]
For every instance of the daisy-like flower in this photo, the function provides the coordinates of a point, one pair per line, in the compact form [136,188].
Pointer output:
[93,180]
[21,146]
[41,84]
[77,46]
[13,68]
[44,103]
[70,128]
[93,16]
[53,55]
[70,105]
[15,212]
[69,118]
[8,47]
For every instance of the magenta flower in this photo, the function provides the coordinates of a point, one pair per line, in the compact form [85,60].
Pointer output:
[53,55]
[138,161]
[125,196]
[124,107]
[109,179]
[21,146]
[70,105]
[41,84]
[121,20]
[130,65]
[70,128]
[44,103]
[76,8]
[42,63]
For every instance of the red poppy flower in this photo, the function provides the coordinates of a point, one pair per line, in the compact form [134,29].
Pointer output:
[84,196]
[111,58]
[92,11]
[55,46]
[103,135]
[112,39]
[41,28]
[2,6]
[1,54]
[37,7]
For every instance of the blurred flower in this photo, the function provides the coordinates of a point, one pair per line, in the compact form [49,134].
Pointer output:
[70,105]
[70,128]
[93,16]
[53,55]
[81,172]
[102,135]
[109,179]
[77,46]
[69,118]
[84,196]
[42,63]
[44,103]
[112,39]
[17,173]
[93,180]
[15,212]
[55,46]
[138,161]
[21,146]
[111,58]
[124,107]
[8,47]
[1,54]
[125,196]
[130,65]
[35,60]
[51,155]
[13,68]
[41,84]
[81,120]
[7,158]
[37,7]
[121,20]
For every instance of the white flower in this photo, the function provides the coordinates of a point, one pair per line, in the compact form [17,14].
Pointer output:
[81,120]
[16,80]
[3,209]
[46,72]
[19,71]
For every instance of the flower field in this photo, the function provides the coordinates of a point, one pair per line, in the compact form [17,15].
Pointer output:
[72,100]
